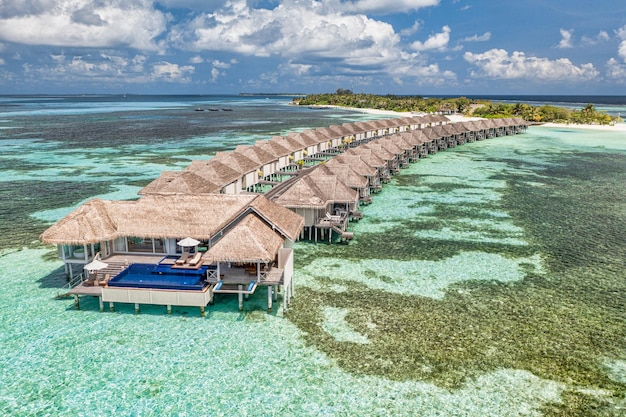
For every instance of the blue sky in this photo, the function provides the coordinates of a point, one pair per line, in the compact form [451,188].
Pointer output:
[375,46]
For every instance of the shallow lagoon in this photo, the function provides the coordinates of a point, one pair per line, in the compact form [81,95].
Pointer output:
[486,280]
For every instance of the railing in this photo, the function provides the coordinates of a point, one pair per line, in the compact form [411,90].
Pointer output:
[74,281]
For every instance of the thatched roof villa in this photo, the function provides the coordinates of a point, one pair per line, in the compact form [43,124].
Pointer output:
[235,234]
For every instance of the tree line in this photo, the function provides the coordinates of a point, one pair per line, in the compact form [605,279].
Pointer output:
[459,105]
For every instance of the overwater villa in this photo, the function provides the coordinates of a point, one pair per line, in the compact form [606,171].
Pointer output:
[325,203]
[177,250]
[207,230]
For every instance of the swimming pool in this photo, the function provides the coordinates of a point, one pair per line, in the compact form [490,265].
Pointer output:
[162,277]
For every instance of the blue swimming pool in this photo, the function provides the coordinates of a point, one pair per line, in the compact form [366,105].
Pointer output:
[162,277]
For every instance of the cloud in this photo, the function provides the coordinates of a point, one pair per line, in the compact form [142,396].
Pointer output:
[621,34]
[621,51]
[83,23]
[413,29]
[616,71]
[437,41]
[498,64]
[290,30]
[219,64]
[478,38]
[214,74]
[166,71]
[196,59]
[566,39]
[602,36]
[384,7]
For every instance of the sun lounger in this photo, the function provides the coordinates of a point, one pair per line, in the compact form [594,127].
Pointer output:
[90,280]
[182,260]
[104,280]
[196,259]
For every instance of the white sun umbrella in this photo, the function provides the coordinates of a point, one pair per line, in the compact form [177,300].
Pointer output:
[188,242]
[95,265]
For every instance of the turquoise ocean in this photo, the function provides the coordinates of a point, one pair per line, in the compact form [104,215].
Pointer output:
[486,280]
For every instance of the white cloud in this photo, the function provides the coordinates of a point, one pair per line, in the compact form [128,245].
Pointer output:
[602,36]
[616,71]
[413,29]
[566,39]
[196,59]
[214,74]
[498,64]
[478,38]
[2,62]
[83,23]
[296,69]
[437,41]
[289,30]
[219,64]
[166,71]
[385,6]
[621,51]
[621,33]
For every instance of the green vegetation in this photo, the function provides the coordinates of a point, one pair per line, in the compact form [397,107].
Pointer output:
[586,115]
[463,105]
[347,98]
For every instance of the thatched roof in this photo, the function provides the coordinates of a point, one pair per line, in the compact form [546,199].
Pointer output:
[156,184]
[327,134]
[257,154]
[355,162]
[316,191]
[401,142]
[215,171]
[185,182]
[379,150]
[367,155]
[275,147]
[164,216]
[251,240]
[306,138]
[365,126]
[288,223]
[237,161]
[345,173]
[430,133]
[289,144]
[340,130]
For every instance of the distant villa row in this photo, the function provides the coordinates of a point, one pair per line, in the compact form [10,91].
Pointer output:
[326,173]
[227,225]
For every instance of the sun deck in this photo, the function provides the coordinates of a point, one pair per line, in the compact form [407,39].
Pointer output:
[232,279]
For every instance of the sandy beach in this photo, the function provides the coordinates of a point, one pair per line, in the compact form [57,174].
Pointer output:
[619,127]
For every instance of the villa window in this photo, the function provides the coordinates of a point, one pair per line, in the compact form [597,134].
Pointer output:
[139,244]
[74,252]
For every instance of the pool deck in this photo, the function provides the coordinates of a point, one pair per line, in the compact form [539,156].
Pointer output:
[234,278]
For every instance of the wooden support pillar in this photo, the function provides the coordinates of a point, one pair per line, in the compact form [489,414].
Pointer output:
[269,298]
[275,291]
[136,308]
[240,297]
[169,309]
[284,301]
[111,306]
[76,302]
[202,313]
[101,304]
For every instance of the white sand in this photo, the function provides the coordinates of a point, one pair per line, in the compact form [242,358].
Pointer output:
[619,127]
